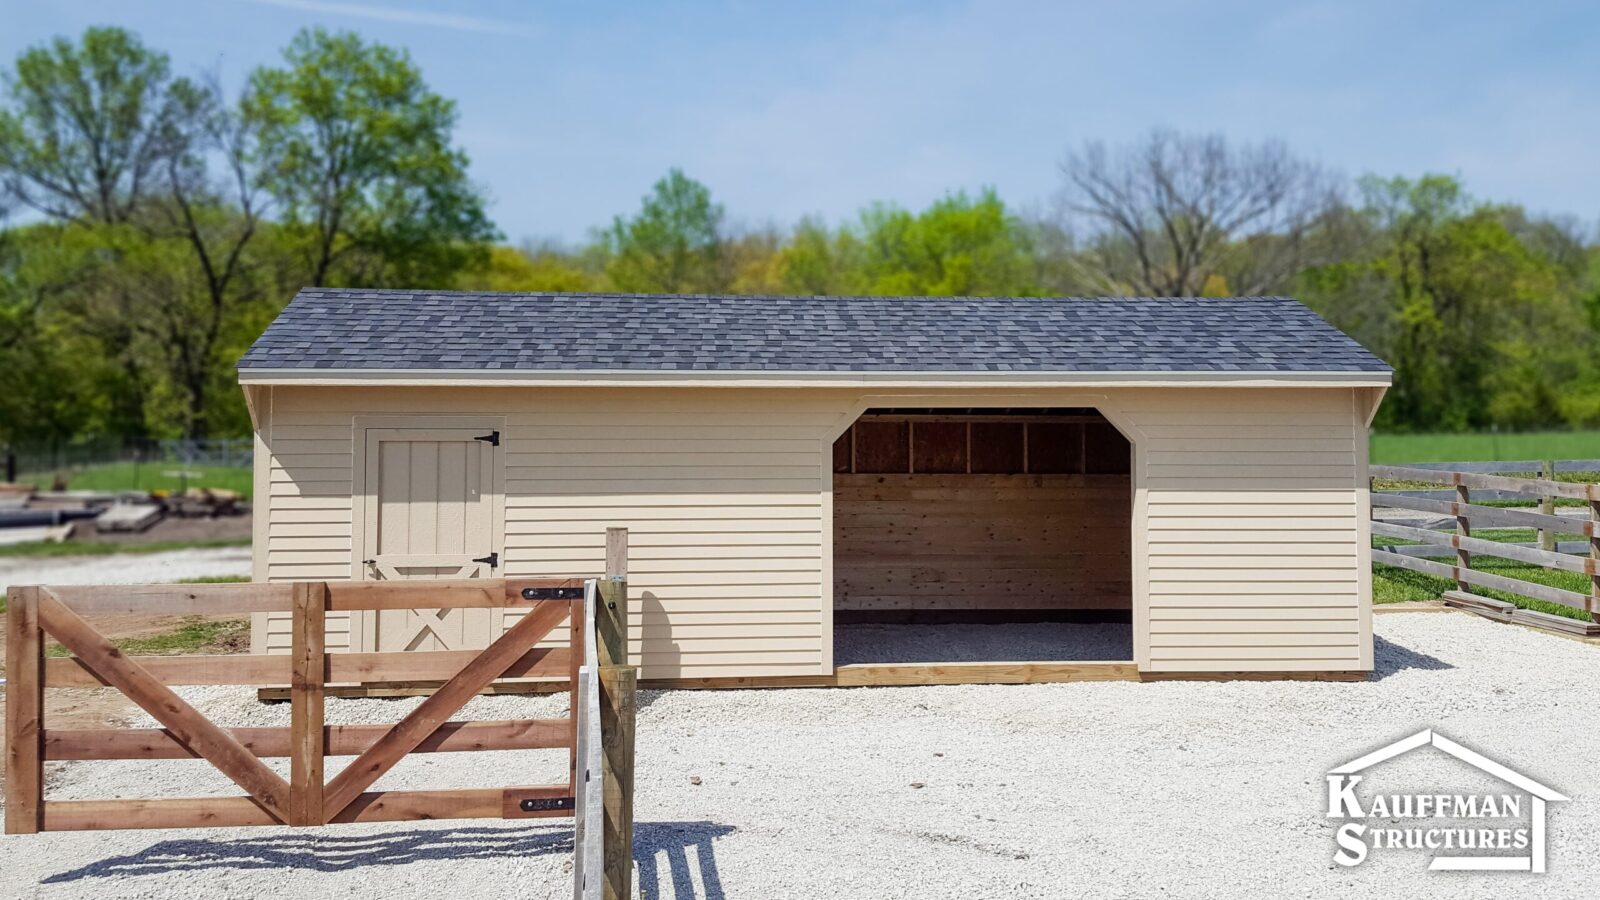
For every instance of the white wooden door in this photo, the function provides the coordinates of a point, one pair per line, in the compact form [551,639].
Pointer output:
[431,512]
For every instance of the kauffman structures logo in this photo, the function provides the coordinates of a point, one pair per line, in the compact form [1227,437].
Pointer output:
[1500,831]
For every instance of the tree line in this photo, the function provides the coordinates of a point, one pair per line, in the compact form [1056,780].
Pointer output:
[158,223]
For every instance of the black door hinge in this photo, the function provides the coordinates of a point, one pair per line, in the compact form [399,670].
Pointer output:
[541,804]
[493,438]
[492,559]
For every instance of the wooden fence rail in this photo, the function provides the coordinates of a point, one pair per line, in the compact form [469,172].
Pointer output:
[1540,469]
[596,629]
[304,799]
[1547,552]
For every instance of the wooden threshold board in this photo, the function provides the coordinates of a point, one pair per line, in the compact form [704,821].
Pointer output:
[875,675]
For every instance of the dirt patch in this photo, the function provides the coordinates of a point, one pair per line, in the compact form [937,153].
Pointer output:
[145,635]
[163,635]
[171,528]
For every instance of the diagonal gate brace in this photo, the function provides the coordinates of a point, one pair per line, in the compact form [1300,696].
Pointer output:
[423,721]
[195,731]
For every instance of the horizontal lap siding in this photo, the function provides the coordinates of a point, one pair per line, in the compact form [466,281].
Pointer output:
[722,495]
[724,511]
[1247,517]
[1252,531]
[308,513]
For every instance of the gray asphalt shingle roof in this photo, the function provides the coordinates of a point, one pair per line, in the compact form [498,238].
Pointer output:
[443,330]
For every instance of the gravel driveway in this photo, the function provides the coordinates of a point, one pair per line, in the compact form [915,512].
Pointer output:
[125,568]
[1172,789]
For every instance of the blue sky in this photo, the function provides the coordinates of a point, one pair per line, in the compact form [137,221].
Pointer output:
[570,111]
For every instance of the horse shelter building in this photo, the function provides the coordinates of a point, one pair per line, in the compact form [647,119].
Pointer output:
[1190,471]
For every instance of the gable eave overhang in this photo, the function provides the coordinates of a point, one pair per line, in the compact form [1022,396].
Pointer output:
[800,379]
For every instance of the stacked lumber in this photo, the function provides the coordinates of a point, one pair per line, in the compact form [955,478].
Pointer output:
[1501,611]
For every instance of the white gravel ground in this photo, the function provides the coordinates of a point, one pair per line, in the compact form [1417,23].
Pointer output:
[1171,789]
[125,568]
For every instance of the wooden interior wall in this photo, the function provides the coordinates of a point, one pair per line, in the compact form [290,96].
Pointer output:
[982,512]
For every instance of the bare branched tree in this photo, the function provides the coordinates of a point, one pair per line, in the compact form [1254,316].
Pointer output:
[215,216]
[1167,216]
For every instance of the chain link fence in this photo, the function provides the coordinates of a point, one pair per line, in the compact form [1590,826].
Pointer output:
[133,464]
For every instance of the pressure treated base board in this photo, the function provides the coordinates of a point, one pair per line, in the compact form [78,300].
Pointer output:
[1254,676]
[870,675]
[904,674]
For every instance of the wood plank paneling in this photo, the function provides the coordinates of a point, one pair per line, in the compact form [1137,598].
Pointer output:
[981,541]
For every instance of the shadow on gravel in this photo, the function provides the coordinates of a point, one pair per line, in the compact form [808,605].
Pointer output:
[324,852]
[677,841]
[1389,658]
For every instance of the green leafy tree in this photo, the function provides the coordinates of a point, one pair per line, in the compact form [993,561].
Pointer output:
[357,151]
[87,127]
[99,136]
[818,261]
[55,380]
[533,270]
[673,245]
[1481,327]
[960,246]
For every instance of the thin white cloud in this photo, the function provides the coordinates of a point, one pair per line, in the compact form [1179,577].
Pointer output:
[405,16]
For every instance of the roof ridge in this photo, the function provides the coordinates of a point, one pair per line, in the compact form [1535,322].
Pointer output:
[640,295]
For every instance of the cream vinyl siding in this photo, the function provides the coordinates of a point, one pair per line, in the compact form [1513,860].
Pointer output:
[723,494]
[1252,507]
[1248,511]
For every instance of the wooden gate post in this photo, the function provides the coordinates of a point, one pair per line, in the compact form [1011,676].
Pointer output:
[1463,529]
[611,626]
[1547,505]
[618,682]
[306,735]
[1594,554]
[24,712]
[617,686]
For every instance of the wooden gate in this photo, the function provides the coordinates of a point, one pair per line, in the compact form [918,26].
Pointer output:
[306,798]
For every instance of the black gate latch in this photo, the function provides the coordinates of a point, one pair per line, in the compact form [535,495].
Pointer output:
[492,559]
[493,438]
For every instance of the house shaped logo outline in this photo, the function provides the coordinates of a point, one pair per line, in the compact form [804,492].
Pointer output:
[1542,796]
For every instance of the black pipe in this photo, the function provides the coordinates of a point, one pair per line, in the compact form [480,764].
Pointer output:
[19,518]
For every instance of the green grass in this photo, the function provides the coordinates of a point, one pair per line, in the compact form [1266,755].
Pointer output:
[195,635]
[1396,585]
[107,548]
[149,476]
[1398,449]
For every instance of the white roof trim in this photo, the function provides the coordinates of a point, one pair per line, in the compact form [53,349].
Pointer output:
[692,378]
